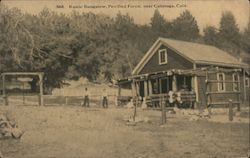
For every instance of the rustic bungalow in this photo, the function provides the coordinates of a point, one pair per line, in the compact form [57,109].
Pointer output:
[205,73]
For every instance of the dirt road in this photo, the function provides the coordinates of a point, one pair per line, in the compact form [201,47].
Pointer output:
[72,131]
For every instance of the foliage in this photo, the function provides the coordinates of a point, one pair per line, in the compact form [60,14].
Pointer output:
[185,27]
[96,46]
[228,28]
[160,25]
[211,35]
[228,36]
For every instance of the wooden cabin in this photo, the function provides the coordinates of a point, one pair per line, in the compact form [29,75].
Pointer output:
[205,73]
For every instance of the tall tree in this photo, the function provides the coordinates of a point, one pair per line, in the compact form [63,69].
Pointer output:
[211,35]
[229,35]
[160,25]
[185,27]
[245,40]
[228,28]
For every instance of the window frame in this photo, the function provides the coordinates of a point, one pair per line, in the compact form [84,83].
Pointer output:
[236,85]
[223,82]
[166,56]
[246,82]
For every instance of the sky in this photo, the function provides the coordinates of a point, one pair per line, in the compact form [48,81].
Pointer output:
[206,12]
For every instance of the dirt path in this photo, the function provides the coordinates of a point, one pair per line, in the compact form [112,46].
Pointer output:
[78,132]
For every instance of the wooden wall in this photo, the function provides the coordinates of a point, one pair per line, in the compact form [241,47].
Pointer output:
[175,61]
[228,87]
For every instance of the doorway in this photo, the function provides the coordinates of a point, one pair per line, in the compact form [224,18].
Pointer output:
[166,84]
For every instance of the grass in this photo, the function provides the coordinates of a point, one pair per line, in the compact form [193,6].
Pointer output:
[73,131]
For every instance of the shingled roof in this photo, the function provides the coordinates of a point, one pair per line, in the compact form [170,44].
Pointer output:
[194,52]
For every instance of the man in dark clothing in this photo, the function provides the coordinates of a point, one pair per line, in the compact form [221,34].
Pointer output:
[104,98]
[86,98]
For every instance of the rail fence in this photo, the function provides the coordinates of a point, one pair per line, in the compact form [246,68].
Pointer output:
[95,100]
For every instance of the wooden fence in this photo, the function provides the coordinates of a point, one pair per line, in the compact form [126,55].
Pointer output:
[95,100]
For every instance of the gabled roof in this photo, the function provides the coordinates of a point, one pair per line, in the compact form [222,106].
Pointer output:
[194,52]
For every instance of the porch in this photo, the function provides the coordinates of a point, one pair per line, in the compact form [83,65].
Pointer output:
[177,86]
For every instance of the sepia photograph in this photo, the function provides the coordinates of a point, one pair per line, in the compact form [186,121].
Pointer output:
[124,79]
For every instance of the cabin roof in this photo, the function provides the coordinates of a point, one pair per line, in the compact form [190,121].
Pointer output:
[194,52]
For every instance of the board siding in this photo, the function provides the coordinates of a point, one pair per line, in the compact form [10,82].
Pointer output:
[175,61]
[229,87]
[202,98]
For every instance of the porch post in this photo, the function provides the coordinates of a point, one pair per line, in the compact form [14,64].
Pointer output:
[146,88]
[174,83]
[196,88]
[195,82]
[133,88]
[137,86]
[150,91]
[160,85]
[244,85]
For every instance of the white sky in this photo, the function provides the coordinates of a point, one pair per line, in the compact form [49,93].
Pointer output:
[206,12]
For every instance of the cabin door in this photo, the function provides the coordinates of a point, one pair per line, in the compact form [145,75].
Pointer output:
[141,89]
[202,90]
[166,84]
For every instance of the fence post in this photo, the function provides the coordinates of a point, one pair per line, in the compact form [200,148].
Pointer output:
[5,97]
[66,100]
[230,112]
[41,101]
[135,108]
[163,110]
[238,99]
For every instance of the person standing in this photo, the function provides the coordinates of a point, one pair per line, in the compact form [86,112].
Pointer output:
[104,98]
[86,97]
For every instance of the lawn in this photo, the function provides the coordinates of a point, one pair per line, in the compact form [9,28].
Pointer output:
[74,131]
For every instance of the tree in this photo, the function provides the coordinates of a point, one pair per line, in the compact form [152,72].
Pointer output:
[185,27]
[159,25]
[211,35]
[228,28]
[245,39]
[229,35]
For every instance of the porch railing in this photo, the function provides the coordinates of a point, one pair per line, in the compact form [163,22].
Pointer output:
[181,98]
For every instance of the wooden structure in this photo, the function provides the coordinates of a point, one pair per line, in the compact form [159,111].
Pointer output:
[198,73]
[22,74]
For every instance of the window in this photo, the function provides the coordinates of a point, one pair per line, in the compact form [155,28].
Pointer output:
[247,82]
[221,83]
[236,80]
[163,58]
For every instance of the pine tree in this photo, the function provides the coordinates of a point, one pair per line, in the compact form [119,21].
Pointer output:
[185,27]
[229,29]
[160,25]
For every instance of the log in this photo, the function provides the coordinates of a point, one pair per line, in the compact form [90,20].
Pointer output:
[226,92]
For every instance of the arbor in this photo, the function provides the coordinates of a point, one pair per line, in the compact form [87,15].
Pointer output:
[185,27]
